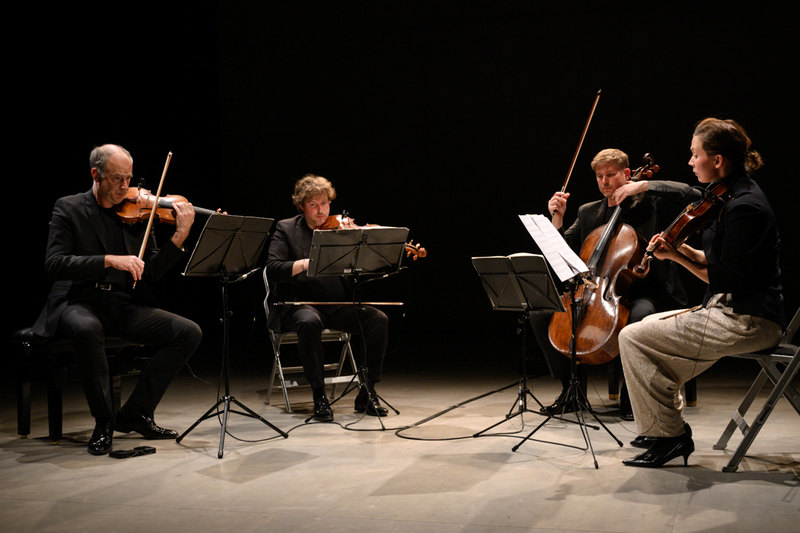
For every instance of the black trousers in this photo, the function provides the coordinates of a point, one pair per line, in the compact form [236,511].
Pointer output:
[368,325]
[101,313]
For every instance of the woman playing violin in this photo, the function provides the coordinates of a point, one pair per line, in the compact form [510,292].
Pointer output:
[287,263]
[743,305]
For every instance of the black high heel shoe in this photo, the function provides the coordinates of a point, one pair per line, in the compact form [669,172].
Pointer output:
[663,451]
[645,442]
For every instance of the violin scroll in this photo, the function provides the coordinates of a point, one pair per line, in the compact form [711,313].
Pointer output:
[415,251]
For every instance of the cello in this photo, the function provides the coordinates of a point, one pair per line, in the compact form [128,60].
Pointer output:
[610,251]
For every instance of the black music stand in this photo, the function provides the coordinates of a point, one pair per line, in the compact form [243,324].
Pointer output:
[571,271]
[521,283]
[228,248]
[360,255]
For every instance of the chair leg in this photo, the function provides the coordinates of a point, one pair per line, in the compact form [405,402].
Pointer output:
[614,374]
[778,390]
[277,366]
[23,408]
[738,420]
[690,388]
[116,393]
[54,409]
[352,358]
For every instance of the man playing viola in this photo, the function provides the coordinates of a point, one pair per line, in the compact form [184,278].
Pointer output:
[287,263]
[659,290]
[92,257]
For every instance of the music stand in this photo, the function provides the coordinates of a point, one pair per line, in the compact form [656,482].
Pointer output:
[228,248]
[570,270]
[356,254]
[521,283]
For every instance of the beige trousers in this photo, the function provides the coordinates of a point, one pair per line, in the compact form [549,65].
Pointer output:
[665,350]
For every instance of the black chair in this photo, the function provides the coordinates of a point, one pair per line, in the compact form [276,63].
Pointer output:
[50,360]
[786,355]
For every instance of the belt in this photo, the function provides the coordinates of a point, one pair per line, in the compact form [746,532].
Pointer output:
[102,285]
[105,286]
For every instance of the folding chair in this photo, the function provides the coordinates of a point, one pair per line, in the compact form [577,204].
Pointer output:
[784,353]
[333,371]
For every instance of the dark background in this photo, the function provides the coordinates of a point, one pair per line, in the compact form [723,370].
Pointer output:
[447,120]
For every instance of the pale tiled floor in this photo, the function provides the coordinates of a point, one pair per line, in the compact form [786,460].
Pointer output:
[431,476]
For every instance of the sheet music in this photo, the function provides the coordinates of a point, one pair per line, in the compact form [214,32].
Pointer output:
[562,258]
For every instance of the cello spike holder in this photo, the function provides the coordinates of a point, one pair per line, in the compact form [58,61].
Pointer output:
[575,392]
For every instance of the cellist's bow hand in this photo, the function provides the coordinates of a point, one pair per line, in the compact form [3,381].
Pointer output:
[557,206]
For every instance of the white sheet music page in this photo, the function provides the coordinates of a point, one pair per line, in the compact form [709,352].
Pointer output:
[562,258]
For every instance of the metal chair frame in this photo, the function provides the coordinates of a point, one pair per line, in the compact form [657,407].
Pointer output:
[785,353]
[283,338]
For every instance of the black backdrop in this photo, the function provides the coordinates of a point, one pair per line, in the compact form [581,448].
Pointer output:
[448,120]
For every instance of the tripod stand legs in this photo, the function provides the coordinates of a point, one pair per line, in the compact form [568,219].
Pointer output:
[521,402]
[580,405]
[226,401]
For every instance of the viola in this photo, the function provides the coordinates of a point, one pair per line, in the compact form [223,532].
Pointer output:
[695,218]
[138,205]
[610,252]
[414,251]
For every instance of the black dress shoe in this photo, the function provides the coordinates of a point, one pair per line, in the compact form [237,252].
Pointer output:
[102,436]
[144,425]
[322,409]
[663,451]
[372,408]
[643,441]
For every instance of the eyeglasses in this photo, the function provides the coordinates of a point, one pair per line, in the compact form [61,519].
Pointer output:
[117,179]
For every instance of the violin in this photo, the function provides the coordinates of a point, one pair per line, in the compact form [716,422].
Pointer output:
[138,205]
[695,218]
[414,251]
[610,252]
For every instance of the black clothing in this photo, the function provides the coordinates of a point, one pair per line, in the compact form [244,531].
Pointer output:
[369,326]
[89,301]
[742,252]
[661,289]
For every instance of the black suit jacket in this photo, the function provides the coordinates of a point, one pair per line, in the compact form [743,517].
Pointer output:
[292,241]
[76,250]
[648,214]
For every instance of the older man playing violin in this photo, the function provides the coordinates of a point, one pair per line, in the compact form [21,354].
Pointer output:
[92,259]
[287,263]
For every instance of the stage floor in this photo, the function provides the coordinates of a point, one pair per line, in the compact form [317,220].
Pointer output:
[424,471]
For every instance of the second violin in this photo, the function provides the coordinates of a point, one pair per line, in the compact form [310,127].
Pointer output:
[336,222]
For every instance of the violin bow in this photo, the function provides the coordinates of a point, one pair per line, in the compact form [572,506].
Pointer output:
[153,210]
[580,143]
